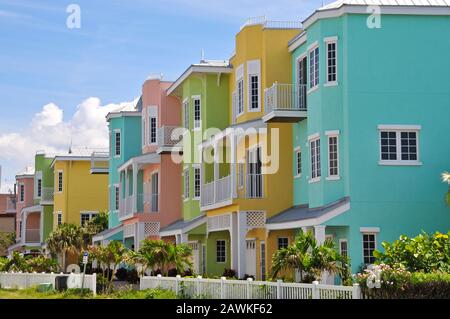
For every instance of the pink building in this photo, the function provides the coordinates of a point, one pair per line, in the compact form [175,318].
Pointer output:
[28,215]
[150,183]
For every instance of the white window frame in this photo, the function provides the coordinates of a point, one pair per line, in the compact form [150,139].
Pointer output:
[333,134]
[59,177]
[195,168]
[187,181]
[22,192]
[240,103]
[116,197]
[253,69]
[398,129]
[297,151]
[328,41]
[315,177]
[186,121]
[197,123]
[374,233]
[91,214]
[58,218]
[343,240]
[313,82]
[152,113]
[117,131]
[225,251]
[278,242]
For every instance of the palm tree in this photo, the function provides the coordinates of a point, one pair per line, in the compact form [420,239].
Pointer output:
[66,238]
[94,226]
[179,256]
[308,257]
[115,255]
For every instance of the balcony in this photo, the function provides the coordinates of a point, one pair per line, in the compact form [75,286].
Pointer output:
[216,194]
[47,195]
[126,207]
[285,103]
[151,201]
[100,162]
[11,204]
[169,139]
[32,236]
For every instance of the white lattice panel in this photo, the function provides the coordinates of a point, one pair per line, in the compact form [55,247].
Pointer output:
[151,229]
[219,222]
[129,230]
[256,219]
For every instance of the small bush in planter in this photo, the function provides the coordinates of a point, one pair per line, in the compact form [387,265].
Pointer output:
[121,274]
[229,273]
[132,276]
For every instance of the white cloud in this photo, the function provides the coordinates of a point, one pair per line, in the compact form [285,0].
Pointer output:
[49,131]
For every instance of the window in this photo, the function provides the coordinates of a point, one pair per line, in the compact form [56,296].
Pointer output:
[59,219]
[197,113]
[186,184]
[298,163]
[314,68]
[155,192]
[302,82]
[331,62]
[241,175]
[368,248]
[283,242]
[60,181]
[186,113]
[85,217]
[116,197]
[399,146]
[240,96]
[117,143]
[254,173]
[333,156]
[197,180]
[221,251]
[152,130]
[254,92]
[22,192]
[315,158]
[343,247]
[263,260]
[20,229]
[39,188]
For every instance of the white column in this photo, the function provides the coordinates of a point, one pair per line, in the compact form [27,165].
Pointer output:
[24,227]
[127,186]
[135,184]
[216,166]
[139,235]
[319,234]
[233,165]
[241,243]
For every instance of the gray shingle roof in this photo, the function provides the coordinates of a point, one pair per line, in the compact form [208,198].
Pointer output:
[302,212]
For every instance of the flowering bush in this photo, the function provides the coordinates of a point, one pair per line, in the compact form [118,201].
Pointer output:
[396,282]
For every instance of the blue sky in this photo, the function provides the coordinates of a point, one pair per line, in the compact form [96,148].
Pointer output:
[118,45]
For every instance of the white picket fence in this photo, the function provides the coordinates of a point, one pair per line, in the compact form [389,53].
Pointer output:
[248,289]
[18,280]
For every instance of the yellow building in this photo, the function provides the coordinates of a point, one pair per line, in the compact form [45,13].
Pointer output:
[78,194]
[250,176]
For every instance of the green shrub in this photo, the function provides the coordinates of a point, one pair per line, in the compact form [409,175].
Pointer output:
[424,253]
[145,294]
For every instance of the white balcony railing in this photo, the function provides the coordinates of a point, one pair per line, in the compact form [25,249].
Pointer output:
[169,136]
[216,192]
[285,97]
[100,162]
[10,205]
[47,195]
[207,195]
[126,207]
[32,236]
[262,20]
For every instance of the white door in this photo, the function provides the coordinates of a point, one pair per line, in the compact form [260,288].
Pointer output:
[250,256]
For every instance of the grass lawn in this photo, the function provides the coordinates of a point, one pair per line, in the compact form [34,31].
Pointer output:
[32,293]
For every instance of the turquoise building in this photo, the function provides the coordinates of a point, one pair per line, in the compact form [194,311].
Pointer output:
[369,154]
[125,142]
